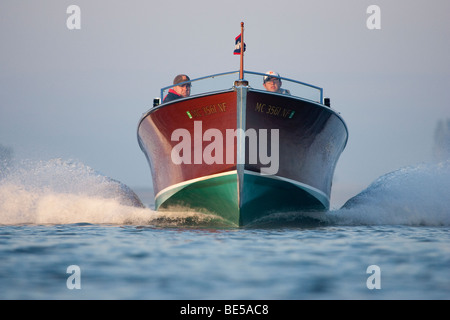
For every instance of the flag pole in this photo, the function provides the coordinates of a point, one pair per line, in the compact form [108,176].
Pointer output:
[241,71]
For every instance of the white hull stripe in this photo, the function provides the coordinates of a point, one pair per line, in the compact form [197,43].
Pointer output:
[188,182]
[321,196]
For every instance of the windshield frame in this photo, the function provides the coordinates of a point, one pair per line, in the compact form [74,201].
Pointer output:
[296,82]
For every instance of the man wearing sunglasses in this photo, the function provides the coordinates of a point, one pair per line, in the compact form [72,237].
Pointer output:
[180,91]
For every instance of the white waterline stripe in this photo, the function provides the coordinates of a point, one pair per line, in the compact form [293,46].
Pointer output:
[188,182]
[311,190]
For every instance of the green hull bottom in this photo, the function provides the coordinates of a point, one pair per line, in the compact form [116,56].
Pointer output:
[260,197]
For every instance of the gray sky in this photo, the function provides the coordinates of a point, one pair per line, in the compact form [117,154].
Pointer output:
[79,94]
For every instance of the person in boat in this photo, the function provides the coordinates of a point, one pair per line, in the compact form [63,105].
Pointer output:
[181,91]
[272,83]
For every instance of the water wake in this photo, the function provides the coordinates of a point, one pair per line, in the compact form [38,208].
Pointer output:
[65,192]
[414,195]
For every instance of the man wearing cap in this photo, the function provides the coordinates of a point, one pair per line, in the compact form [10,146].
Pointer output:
[272,83]
[181,91]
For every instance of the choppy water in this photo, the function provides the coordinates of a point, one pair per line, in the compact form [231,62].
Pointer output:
[56,214]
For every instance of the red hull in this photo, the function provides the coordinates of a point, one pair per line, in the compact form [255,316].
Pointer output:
[216,111]
[310,137]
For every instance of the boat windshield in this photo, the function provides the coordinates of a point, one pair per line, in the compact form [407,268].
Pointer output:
[224,81]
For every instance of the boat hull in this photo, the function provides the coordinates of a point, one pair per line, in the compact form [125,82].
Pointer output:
[242,154]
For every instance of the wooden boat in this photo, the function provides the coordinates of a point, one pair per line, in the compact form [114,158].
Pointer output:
[241,152]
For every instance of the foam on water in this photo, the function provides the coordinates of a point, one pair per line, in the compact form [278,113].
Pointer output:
[415,195]
[64,192]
